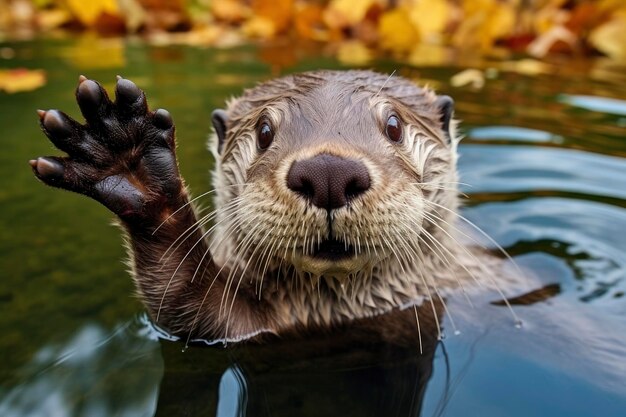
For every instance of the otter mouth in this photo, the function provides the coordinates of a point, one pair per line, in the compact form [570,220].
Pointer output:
[333,250]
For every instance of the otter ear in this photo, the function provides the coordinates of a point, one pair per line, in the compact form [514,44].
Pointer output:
[446,110]
[219,119]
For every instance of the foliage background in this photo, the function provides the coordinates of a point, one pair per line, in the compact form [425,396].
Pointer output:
[356,29]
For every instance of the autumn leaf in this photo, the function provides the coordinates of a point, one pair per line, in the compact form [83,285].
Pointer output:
[396,31]
[308,22]
[354,53]
[610,38]
[230,10]
[473,77]
[279,12]
[260,27]
[21,79]
[345,13]
[430,16]
[87,12]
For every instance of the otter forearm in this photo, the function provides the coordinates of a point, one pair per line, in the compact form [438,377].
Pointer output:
[173,268]
[124,157]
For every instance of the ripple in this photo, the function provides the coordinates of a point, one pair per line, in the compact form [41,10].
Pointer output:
[513,133]
[595,103]
[531,169]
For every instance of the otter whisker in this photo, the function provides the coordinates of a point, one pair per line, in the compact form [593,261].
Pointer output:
[195,226]
[482,232]
[419,331]
[406,248]
[480,264]
[169,283]
[190,202]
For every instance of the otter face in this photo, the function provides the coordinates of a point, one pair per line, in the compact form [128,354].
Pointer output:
[335,175]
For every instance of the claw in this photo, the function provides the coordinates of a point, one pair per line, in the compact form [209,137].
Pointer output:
[47,168]
[81,78]
[163,119]
[54,123]
[127,90]
[89,92]
[41,114]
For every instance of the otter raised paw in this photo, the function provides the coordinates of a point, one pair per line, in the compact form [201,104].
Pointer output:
[123,156]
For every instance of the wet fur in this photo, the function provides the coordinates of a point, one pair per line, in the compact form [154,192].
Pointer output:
[244,276]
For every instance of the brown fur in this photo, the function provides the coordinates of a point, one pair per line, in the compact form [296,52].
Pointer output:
[253,272]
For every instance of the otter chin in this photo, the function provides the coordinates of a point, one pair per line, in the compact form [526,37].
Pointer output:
[331,258]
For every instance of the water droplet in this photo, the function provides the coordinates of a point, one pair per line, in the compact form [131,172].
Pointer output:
[184,349]
[457,332]
[518,324]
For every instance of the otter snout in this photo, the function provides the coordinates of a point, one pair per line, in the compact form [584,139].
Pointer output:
[328,181]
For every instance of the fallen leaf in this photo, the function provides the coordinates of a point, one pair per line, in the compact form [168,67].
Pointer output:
[354,53]
[259,27]
[230,10]
[345,13]
[88,12]
[396,31]
[21,79]
[431,17]
[308,22]
[610,38]
[279,12]
[470,76]
[526,67]
[542,44]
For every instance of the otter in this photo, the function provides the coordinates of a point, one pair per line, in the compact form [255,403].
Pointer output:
[336,199]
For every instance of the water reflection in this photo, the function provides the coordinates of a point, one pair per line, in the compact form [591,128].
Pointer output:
[596,104]
[93,374]
[513,133]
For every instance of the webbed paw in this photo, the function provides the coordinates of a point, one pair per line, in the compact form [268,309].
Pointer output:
[123,156]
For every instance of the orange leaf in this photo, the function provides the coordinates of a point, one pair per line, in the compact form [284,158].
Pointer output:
[308,22]
[279,12]
[21,79]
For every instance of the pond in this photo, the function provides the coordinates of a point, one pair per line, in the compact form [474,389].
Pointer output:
[543,168]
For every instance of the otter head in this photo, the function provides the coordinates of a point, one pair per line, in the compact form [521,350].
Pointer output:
[333,175]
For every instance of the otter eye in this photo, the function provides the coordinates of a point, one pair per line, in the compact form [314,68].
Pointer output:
[265,135]
[393,130]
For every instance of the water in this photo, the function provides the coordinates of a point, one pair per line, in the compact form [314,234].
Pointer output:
[543,157]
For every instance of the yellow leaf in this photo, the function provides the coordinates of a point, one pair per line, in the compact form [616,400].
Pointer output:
[470,76]
[259,27]
[527,67]
[430,16]
[396,31]
[230,10]
[21,79]
[344,13]
[610,38]
[89,11]
[354,53]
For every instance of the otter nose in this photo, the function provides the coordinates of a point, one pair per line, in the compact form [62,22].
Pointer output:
[328,181]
